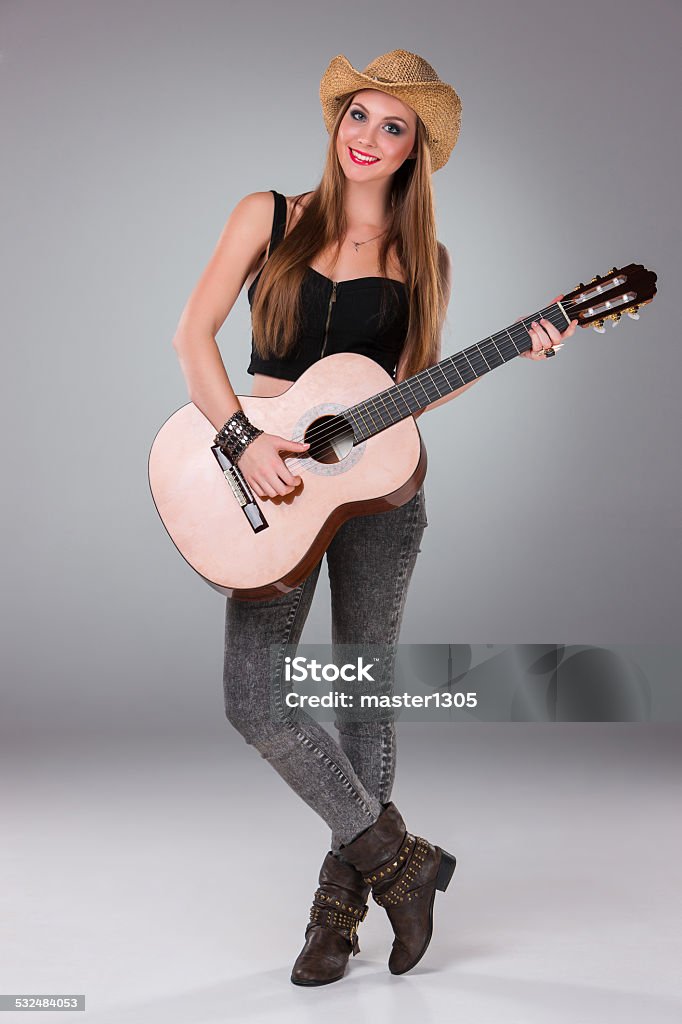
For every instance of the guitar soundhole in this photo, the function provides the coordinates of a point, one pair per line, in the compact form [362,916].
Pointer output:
[331,439]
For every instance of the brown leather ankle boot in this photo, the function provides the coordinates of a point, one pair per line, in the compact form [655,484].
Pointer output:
[339,905]
[404,871]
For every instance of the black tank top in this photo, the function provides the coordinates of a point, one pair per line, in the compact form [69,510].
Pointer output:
[349,323]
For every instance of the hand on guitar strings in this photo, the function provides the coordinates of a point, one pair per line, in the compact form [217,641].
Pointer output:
[545,336]
[264,468]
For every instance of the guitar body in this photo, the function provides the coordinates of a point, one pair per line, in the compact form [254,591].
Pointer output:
[205,520]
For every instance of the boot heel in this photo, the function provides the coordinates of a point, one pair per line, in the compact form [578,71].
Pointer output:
[445,870]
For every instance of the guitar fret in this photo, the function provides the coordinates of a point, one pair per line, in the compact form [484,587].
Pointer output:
[466,372]
[418,379]
[481,353]
[369,411]
[351,414]
[364,423]
[493,355]
[397,392]
[452,369]
[381,410]
[439,366]
[408,385]
[384,411]
[476,361]
[518,350]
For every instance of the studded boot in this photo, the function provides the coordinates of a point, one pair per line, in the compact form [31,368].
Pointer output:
[339,905]
[404,872]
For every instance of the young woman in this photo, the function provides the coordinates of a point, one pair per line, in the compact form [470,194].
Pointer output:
[354,265]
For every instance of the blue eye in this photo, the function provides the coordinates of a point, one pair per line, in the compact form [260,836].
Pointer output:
[398,131]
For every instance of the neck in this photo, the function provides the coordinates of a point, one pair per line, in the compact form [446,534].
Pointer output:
[417,392]
[367,205]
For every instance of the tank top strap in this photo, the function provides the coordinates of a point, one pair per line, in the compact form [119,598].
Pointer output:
[279,220]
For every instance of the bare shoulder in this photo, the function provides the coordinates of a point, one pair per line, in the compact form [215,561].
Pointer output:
[252,217]
[240,247]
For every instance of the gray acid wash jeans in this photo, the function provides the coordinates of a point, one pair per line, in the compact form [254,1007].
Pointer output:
[370,563]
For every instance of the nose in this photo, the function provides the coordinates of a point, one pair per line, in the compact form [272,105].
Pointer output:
[368,147]
[367,140]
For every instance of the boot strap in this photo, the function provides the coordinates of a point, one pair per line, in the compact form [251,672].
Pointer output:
[391,867]
[329,915]
[324,901]
[397,892]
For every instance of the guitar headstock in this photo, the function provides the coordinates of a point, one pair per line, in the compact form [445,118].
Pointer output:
[622,290]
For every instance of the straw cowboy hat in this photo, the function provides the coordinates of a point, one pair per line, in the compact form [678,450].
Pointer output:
[410,78]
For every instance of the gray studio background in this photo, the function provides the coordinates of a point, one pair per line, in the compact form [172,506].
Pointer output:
[130,131]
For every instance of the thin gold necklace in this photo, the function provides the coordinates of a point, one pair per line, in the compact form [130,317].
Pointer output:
[358,244]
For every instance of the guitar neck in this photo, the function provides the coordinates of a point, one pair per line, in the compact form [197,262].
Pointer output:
[410,396]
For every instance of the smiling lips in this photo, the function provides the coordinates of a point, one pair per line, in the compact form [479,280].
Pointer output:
[361,158]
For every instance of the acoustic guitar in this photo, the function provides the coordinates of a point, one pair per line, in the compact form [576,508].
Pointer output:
[366,454]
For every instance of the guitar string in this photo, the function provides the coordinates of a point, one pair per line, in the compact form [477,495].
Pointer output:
[327,433]
[318,434]
[315,436]
[330,429]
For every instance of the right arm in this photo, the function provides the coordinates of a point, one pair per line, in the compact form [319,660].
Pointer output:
[243,239]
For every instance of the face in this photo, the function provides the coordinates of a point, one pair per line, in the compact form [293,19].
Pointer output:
[376,125]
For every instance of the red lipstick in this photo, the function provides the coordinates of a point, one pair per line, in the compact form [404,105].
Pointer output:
[364,163]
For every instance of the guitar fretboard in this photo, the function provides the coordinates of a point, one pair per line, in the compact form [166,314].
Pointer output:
[401,400]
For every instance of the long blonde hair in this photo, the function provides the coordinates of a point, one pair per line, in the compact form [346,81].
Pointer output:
[276,319]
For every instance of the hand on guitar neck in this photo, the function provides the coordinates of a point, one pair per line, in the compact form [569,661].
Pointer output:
[544,335]
[264,468]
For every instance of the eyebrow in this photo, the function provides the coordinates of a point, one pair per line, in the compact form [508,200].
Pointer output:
[356,103]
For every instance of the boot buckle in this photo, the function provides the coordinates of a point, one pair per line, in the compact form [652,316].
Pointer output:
[353,936]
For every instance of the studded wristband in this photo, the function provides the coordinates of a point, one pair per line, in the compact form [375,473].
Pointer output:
[236,435]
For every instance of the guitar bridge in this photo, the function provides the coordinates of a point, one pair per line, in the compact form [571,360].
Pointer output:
[241,490]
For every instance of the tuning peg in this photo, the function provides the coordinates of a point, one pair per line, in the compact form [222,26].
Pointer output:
[595,278]
[579,287]
[615,319]
[613,270]
[633,313]
[598,326]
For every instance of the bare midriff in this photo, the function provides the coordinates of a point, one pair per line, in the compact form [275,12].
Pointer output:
[269,387]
